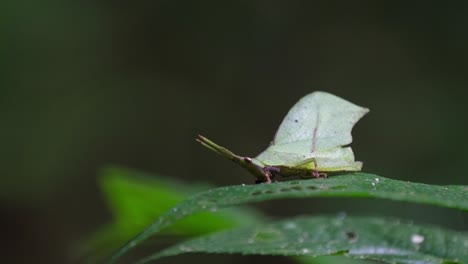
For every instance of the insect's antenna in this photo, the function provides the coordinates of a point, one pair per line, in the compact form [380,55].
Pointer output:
[215,147]
[245,162]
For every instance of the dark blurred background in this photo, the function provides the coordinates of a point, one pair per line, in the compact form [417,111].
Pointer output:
[89,83]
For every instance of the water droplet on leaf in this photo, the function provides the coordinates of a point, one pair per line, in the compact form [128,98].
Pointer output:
[342,216]
[417,239]
[290,225]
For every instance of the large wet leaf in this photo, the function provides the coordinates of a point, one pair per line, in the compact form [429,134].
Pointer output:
[392,241]
[353,185]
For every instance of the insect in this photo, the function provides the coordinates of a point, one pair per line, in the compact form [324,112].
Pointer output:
[312,140]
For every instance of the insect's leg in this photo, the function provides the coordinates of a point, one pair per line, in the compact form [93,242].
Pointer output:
[269,173]
[266,177]
[316,172]
[272,171]
[262,174]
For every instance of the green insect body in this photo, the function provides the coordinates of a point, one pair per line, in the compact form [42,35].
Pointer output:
[311,141]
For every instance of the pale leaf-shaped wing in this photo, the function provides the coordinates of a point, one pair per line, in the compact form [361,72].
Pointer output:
[317,127]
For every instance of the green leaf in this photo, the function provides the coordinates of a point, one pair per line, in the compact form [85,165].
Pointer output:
[136,199]
[392,241]
[311,140]
[352,185]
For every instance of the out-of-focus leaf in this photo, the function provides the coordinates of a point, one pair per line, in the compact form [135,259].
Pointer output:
[136,199]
